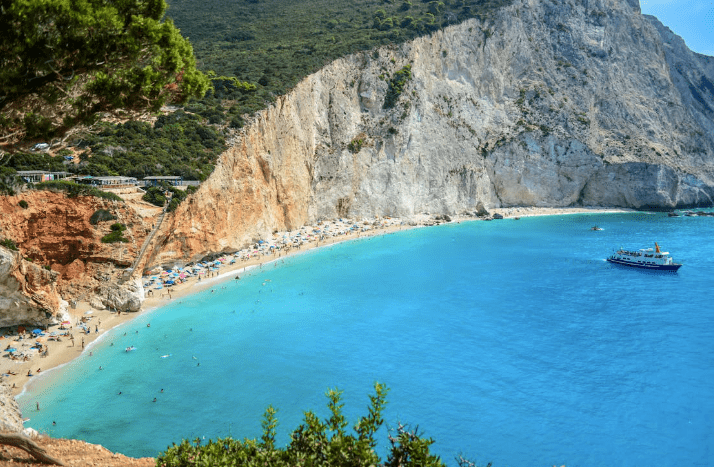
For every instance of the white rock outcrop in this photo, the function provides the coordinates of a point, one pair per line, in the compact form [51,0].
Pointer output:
[548,103]
[10,415]
[27,293]
[125,297]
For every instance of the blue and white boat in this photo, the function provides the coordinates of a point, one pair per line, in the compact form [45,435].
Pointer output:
[645,258]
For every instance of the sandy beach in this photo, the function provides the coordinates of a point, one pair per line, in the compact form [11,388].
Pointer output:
[84,318]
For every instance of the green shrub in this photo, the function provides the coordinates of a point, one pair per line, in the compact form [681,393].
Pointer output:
[101,215]
[356,145]
[396,86]
[23,204]
[76,189]
[314,443]
[9,244]
[116,234]
[155,196]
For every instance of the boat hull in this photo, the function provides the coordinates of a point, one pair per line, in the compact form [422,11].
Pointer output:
[651,267]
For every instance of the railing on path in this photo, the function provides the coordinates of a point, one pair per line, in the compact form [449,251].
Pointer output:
[147,242]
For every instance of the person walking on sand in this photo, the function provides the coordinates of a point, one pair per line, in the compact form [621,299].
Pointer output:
[82,341]
[71,337]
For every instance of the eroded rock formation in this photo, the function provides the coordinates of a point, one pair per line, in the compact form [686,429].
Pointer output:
[550,103]
[28,292]
[10,415]
[61,254]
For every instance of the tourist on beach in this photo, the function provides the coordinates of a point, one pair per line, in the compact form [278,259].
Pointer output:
[82,342]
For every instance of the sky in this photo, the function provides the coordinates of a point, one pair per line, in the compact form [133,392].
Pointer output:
[692,20]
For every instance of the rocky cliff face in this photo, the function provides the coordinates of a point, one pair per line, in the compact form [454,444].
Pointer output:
[10,415]
[28,292]
[60,253]
[549,103]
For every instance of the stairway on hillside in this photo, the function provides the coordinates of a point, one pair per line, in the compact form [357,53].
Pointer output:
[128,273]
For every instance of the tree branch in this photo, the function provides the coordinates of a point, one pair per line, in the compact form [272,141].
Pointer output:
[26,444]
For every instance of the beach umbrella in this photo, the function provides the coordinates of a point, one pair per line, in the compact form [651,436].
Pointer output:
[10,350]
[37,331]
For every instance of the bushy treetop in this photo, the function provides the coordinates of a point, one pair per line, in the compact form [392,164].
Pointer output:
[95,55]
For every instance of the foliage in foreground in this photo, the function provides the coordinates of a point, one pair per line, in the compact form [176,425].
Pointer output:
[314,443]
[89,56]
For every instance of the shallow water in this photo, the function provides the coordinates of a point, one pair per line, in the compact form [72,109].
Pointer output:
[511,342]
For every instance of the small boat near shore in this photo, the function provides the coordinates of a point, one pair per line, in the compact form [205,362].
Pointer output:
[645,258]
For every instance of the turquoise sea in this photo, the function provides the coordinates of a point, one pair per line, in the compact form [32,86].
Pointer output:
[509,341]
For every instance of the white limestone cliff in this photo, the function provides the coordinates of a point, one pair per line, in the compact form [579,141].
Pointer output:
[549,103]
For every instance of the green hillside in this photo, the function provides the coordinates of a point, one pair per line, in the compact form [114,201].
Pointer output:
[254,51]
[275,43]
